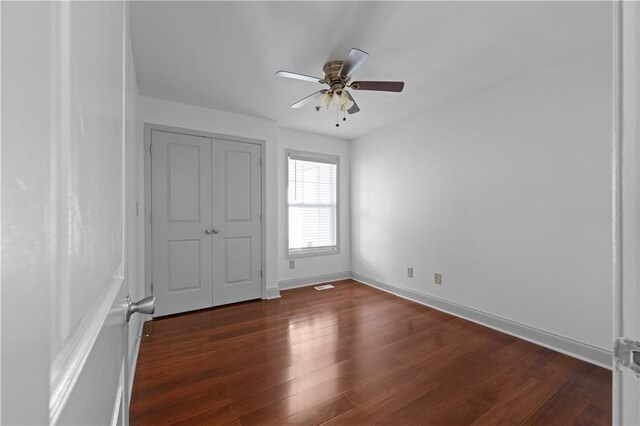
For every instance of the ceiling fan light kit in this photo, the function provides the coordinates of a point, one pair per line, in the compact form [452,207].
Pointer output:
[337,75]
[340,97]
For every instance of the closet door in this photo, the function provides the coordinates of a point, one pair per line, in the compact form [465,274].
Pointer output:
[237,210]
[181,222]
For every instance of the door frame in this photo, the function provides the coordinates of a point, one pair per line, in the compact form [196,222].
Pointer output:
[148,234]
[626,198]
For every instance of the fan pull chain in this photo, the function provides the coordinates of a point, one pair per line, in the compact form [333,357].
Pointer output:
[337,115]
[344,114]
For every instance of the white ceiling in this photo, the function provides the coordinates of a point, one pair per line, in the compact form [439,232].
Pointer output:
[223,55]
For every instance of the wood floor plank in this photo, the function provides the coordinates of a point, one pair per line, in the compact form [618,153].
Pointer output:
[354,355]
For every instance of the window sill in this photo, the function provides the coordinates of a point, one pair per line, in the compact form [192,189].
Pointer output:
[294,254]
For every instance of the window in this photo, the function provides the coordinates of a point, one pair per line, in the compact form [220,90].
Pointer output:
[312,207]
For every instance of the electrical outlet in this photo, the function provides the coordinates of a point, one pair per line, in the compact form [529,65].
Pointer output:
[410,272]
[292,264]
[437,278]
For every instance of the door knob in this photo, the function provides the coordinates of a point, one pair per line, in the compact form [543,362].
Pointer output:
[211,231]
[143,306]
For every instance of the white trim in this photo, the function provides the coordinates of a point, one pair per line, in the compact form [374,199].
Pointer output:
[271,293]
[583,351]
[74,351]
[616,200]
[118,404]
[320,158]
[313,280]
[312,252]
[626,217]
[50,183]
[133,357]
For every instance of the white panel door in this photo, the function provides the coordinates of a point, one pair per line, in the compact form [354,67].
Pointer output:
[64,334]
[237,208]
[90,370]
[181,215]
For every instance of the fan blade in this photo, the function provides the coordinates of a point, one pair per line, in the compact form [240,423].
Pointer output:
[382,86]
[355,58]
[354,108]
[296,76]
[311,97]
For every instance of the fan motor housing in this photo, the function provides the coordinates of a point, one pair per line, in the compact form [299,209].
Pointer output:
[332,74]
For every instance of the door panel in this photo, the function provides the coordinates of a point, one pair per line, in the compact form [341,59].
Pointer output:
[237,186]
[90,367]
[184,265]
[184,182]
[181,206]
[238,259]
[237,248]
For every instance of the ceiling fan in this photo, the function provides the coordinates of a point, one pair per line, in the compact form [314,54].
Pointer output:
[337,75]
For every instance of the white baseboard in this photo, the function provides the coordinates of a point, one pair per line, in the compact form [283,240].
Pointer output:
[583,351]
[313,280]
[272,293]
[576,349]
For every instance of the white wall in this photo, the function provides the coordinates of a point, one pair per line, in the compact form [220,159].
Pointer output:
[167,113]
[506,193]
[316,268]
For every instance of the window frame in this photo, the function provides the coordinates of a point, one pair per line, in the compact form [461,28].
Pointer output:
[317,158]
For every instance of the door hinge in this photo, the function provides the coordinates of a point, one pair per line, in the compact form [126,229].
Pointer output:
[151,218]
[260,273]
[260,159]
[152,288]
[137,209]
[627,354]
[150,149]
[260,217]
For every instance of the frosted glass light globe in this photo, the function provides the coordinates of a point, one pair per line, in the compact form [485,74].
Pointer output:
[340,97]
[349,104]
[324,100]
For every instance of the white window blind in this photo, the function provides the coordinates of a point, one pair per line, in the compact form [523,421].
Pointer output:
[312,206]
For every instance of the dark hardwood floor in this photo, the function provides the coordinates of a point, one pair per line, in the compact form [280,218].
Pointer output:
[354,355]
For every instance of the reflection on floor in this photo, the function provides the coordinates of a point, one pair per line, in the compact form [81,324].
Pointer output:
[354,355]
